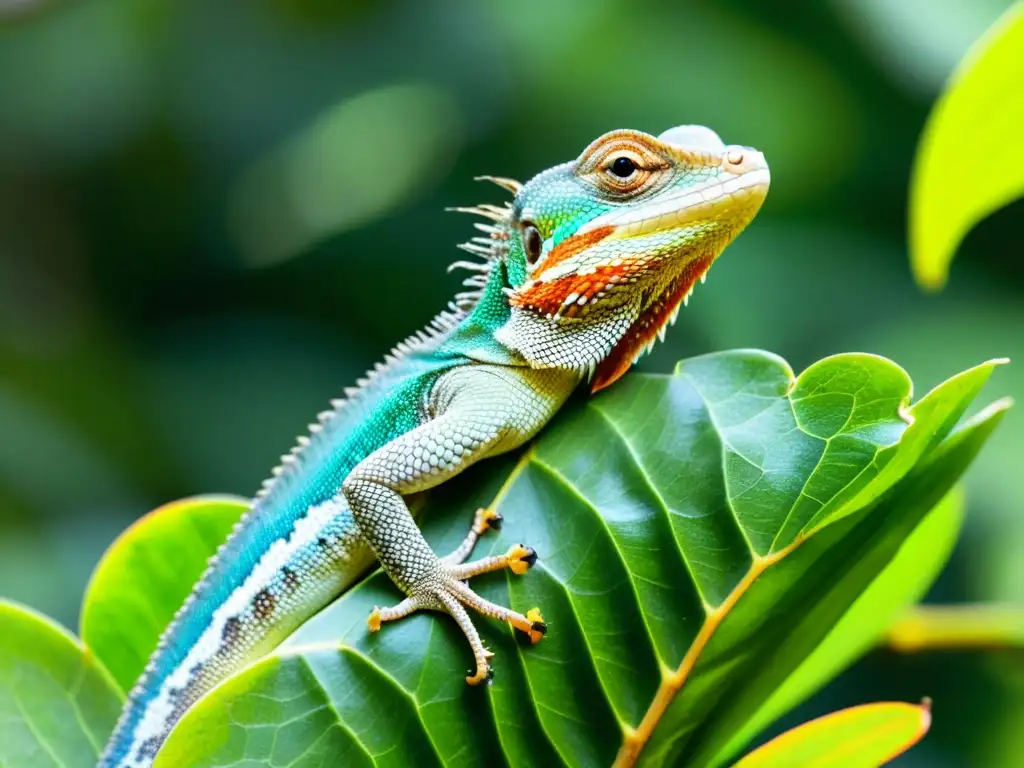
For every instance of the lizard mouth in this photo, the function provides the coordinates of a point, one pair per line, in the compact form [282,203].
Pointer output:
[650,326]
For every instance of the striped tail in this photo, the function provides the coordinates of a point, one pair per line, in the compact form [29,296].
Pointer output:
[235,617]
[296,550]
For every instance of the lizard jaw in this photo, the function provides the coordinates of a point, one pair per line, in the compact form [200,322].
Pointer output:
[650,326]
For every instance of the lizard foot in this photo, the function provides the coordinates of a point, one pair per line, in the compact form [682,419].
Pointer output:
[448,592]
[485,520]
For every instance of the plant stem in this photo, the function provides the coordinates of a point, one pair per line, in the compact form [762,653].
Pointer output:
[957,627]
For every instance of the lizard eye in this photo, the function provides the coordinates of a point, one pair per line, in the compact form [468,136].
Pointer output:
[533,243]
[623,167]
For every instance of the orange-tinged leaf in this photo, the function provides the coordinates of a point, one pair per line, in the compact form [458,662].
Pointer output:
[858,737]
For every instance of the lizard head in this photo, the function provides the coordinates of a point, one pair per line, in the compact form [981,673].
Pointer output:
[603,250]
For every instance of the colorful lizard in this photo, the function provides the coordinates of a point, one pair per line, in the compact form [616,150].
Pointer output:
[576,279]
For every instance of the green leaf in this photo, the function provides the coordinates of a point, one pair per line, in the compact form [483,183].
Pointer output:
[145,576]
[57,702]
[858,737]
[699,536]
[917,562]
[965,168]
[902,581]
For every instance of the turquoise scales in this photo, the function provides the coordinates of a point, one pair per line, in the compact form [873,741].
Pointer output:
[578,277]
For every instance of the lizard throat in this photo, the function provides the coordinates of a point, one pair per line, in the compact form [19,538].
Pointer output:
[647,328]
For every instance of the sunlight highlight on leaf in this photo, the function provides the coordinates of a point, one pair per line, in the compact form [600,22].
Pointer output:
[57,702]
[904,580]
[968,164]
[145,576]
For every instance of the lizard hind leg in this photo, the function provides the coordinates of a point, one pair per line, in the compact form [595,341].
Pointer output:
[449,593]
[450,599]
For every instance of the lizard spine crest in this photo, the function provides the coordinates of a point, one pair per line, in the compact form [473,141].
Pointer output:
[488,251]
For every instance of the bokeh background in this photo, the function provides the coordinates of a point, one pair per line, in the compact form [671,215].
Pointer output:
[214,215]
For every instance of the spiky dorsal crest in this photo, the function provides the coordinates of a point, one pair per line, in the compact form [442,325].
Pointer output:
[488,249]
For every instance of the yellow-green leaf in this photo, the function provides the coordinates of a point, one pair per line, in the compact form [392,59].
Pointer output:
[57,702]
[967,163]
[858,737]
[145,576]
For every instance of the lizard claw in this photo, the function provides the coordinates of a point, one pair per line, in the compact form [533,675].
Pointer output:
[520,559]
[374,620]
[537,628]
[486,520]
[446,589]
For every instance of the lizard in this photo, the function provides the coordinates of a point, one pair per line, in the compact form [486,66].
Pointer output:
[572,281]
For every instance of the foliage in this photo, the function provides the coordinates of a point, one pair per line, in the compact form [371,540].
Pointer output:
[858,737]
[710,544]
[116,166]
[57,702]
[949,627]
[967,165]
[146,576]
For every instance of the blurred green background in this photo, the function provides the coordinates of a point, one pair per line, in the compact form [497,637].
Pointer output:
[214,215]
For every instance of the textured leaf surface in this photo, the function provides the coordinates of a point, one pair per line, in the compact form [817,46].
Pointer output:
[964,168]
[858,737]
[916,564]
[918,560]
[699,536]
[57,703]
[146,575]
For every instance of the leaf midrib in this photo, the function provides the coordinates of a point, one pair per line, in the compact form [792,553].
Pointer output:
[671,685]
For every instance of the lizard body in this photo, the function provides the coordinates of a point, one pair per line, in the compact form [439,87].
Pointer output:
[579,275]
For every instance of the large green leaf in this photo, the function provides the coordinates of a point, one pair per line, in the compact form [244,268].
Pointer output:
[699,536]
[57,703]
[917,561]
[966,165]
[926,549]
[145,576]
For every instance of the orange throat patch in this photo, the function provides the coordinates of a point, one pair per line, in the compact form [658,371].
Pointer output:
[646,327]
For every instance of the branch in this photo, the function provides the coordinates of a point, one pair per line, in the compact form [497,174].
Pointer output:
[957,627]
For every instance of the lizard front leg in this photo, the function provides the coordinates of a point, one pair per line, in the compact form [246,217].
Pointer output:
[475,412]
